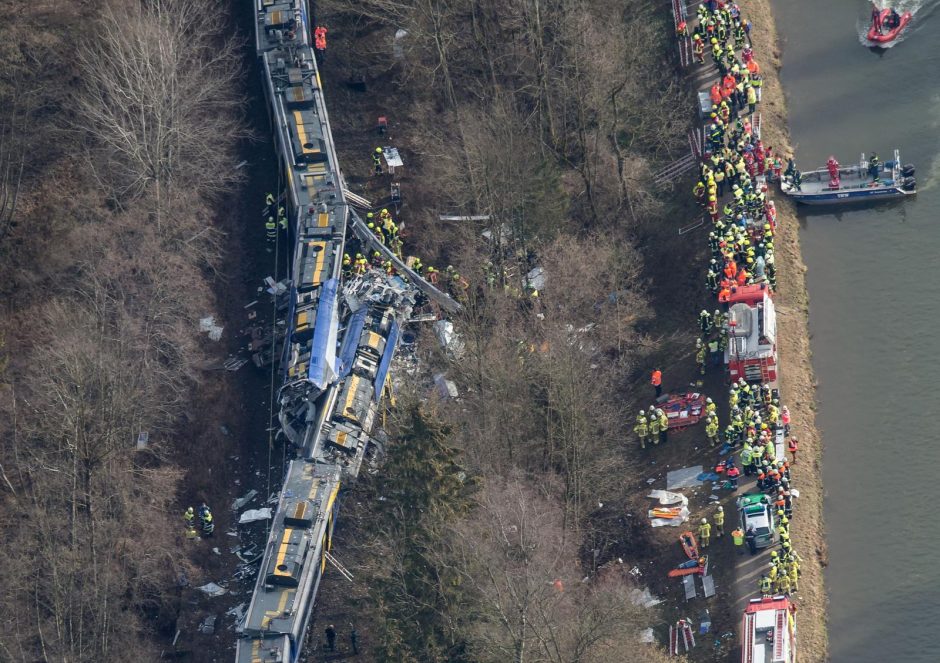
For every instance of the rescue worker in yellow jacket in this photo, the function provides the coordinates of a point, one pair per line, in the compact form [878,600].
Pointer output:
[711,431]
[704,533]
[654,428]
[642,431]
[720,521]
[766,586]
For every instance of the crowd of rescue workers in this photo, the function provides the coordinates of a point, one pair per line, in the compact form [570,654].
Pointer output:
[734,174]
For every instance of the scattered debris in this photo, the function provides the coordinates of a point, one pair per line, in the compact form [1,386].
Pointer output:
[536,279]
[647,637]
[216,551]
[705,622]
[687,477]
[448,338]
[242,501]
[644,598]
[208,325]
[276,288]
[252,515]
[207,626]
[142,439]
[237,612]
[234,363]
[213,589]
[445,388]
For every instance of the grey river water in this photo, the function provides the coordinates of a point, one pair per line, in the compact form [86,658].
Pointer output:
[874,283]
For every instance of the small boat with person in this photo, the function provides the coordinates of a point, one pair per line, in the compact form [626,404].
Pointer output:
[868,181]
[886,24]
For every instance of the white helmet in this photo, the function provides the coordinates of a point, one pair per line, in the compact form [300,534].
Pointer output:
[704,521]
[721,509]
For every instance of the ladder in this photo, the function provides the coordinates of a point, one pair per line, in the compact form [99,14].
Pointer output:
[681,634]
[684,43]
[748,638]
[675,169]
[778,634]
[697,141]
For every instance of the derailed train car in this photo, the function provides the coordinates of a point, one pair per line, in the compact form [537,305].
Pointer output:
[332,382]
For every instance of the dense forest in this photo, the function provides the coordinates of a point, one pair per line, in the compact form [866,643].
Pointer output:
[120,124]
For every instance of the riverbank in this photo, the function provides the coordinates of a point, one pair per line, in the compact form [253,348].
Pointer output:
[797,383]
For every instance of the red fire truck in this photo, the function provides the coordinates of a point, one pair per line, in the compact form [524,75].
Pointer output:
[751,352]
[769,631]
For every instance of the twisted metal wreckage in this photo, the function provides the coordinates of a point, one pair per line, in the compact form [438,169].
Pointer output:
[341,336]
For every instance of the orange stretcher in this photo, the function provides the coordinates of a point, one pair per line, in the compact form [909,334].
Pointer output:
[699,567]
[666,512]
[689,545]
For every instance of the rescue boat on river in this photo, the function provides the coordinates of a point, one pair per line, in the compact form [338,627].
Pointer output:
[876,34]
[862,182]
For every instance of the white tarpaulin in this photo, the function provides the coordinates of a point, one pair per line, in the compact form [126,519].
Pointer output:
[644,598]
[252,515]
[666,498]
[684,478]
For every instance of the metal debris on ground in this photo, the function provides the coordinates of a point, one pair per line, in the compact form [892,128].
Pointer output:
[208,325]
[142,439]
[213,589]
[237,612]
[444,388]
[276,288]
[234,363]
[688,583]
[647,637]
[245,499]
[448,338]
[535,279]
[207,627]
[252,515]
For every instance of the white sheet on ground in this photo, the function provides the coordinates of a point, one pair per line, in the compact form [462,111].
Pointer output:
[666,497]
[252,515]
[684,478]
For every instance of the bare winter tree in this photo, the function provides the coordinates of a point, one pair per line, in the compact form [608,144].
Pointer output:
[533,603]
[159,99]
